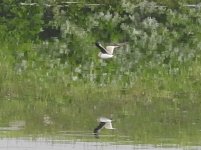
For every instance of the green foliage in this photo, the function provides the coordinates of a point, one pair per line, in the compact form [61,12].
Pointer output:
[156,36]
[19,23]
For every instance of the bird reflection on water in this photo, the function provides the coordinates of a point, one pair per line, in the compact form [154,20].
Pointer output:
[103,123]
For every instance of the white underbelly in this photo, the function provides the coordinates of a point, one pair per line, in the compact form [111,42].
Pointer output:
[105,56]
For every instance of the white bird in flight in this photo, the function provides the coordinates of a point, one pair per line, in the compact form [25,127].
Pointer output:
[106,52]
[103,123]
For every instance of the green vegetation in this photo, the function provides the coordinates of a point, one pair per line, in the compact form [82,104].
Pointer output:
[151,87]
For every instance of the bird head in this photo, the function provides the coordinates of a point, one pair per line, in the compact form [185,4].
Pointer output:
[97,43]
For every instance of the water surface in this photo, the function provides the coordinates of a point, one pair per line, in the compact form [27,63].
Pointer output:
[45,144]
[161,124]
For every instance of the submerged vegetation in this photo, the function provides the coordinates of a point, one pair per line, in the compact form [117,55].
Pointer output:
[49,69]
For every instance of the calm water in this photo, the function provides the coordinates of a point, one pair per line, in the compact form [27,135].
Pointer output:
[75,140]
[45,144]
[44,126]
[61,141]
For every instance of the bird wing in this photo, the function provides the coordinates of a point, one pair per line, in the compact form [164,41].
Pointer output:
[104,119]
[102,49]
[108,125]
[110,49]
[100,126]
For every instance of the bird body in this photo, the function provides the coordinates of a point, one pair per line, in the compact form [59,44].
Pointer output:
[110,49]
[104,56]
[103,123]
[106,52]
[108,122]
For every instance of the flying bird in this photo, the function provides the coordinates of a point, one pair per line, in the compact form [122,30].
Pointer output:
[106,52]
[103,123]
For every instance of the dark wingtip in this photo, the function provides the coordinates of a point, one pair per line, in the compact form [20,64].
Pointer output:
[97,43]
